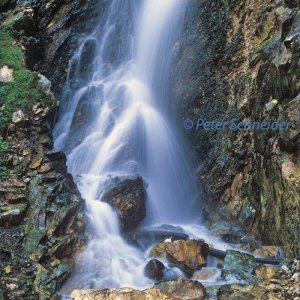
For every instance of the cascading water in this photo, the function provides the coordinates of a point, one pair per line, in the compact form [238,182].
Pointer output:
[114,121]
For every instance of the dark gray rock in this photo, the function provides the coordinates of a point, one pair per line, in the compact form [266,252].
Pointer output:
[128,197]
[154,269]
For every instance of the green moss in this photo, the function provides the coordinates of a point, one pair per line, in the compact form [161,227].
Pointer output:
[10,54]
[4,148]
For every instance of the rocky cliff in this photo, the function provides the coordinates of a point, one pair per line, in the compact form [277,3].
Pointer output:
[240,59]
[42,225]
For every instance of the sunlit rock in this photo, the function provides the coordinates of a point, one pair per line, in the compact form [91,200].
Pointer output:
[189,255]
[264,272]
[183,289]
[18,116]
[121,294]
[272,252]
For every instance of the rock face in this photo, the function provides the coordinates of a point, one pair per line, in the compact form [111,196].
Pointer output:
[41,215]
[50,32]
[42,224]
[128,196]
[240,60]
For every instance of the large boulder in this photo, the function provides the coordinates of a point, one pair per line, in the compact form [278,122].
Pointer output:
[183,289]
[239,267]
[128,196]
[188,255]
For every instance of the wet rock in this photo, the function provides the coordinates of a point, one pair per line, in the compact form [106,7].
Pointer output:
[238,267]
[154,269]
[248,243]
[184,254]
[183,289]
[159,250]
[147,237]
[128,197]
[228,232]
[121,294]
[6,74]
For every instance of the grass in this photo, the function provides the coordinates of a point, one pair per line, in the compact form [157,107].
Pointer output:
[21,93]
[4,148]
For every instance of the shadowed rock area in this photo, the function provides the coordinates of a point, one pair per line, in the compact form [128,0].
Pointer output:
[240,60]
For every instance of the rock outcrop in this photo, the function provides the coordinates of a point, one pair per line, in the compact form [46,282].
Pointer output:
[128,197]
[239,60]
[42,225]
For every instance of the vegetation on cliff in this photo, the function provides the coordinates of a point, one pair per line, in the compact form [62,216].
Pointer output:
[18,93]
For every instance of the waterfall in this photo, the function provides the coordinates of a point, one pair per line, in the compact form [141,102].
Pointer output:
[115,120]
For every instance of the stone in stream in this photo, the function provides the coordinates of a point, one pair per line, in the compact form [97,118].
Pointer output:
[183,254]
[128,196]
[154,269]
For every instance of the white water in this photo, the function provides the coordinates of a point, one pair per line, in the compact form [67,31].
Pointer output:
[120,87]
